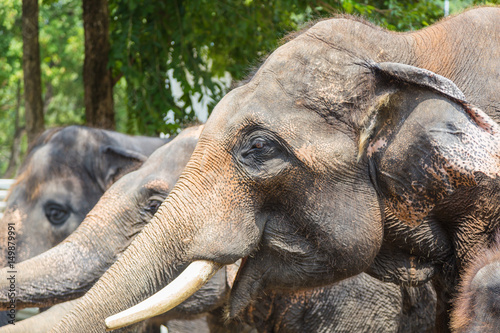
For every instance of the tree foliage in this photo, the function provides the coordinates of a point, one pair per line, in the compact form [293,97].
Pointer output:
[194,42]
[61,57]
[197,42]
[159,47]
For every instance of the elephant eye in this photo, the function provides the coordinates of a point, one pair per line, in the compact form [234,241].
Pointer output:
[258,143]
[56,214]
[262,154]
[153,204]
[258,146]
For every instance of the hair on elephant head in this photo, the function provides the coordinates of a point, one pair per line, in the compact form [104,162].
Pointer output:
[277,177]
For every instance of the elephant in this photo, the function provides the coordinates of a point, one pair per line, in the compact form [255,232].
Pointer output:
[358,304]
[147,186]
[476,308]
[64,174]
[107,229]
[295,172]
[44,321]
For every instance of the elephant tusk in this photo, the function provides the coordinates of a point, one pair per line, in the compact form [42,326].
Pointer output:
[187,283]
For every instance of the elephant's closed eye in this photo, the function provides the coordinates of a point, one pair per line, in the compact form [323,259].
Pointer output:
[153,204]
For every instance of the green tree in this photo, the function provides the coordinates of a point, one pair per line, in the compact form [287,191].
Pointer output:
[11,101]
[62,49]
[35,123]
[61,57]
[155,44]
[97,79]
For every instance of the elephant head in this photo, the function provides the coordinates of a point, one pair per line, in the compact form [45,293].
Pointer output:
[69,269]
[295,171]
[65,173]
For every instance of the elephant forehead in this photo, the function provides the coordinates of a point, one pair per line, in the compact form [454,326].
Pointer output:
[254,103]
[36,171]
[315,141]
[63,189]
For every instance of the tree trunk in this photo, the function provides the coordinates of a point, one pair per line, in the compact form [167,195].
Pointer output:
[31,68]
[97,77]
[15,151]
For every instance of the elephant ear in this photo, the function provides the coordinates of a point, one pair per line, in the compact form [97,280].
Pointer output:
[423,140]
[115,162]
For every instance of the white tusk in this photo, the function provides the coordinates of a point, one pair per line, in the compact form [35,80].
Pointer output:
[187,283]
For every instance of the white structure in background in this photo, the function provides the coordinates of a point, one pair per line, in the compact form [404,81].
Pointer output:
[4,190]
[446,7]
[200,106]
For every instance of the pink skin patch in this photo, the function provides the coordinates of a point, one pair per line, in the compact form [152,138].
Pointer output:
[482,120]
[307,155]
[376,146]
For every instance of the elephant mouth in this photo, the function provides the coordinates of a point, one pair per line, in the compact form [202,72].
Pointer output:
[186,284]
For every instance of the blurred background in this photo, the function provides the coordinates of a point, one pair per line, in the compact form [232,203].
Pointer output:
[151,67]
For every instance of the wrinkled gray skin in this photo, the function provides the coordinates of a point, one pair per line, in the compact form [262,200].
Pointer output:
[338,127]
[64,174]
[361,295]
[321,137]
[357,304]
[44,321]
[477,308]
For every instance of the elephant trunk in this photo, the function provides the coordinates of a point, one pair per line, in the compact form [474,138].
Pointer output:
[42,322]
[138,273]
[205,217]
[68,270]
[49,278]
